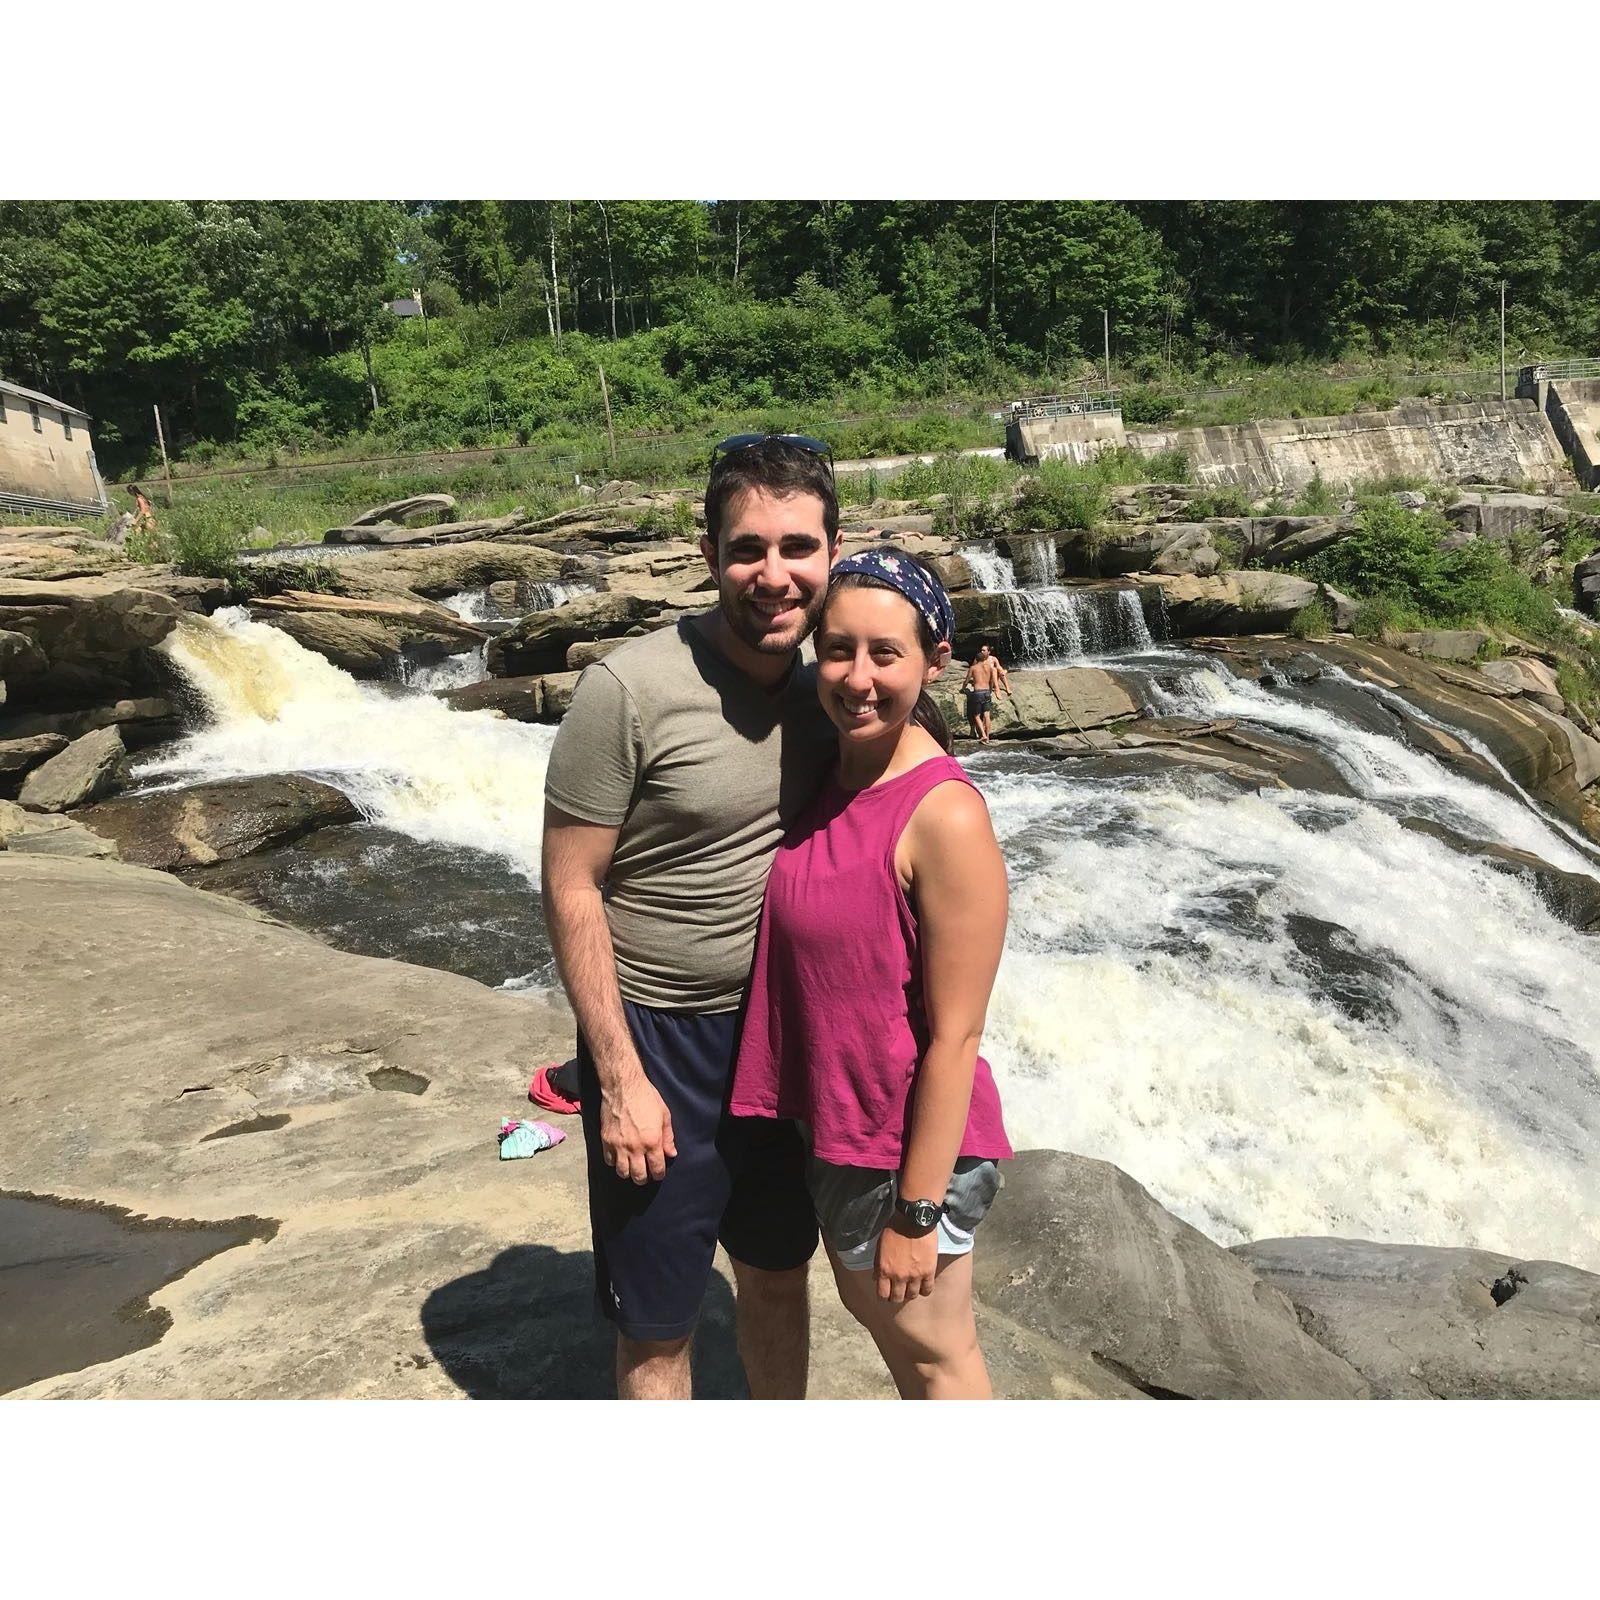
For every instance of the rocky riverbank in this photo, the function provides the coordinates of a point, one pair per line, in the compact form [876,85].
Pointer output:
[337,1112]
[353,1104]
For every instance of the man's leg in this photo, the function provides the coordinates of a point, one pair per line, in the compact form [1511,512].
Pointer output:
[653,1369]
[774,1315]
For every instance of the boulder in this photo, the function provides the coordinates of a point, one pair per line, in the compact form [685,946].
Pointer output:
[144,721]
[954,572]
[200,595]
[84,771]
[1297,538]
[617,490]
[539,641]
[1066,700]
[1585,585]
[1447,644]
[413,509]
[1498,516]
[1077,1252]
[17,755]
[20,657]
[216,821]
[556,694]
[588,651]
[367,638]
[439,533]
[520,699]
[45,834]
[1342,608]
[436,571]
[1584,751]
[1526,675]
[1234,602]
[1421,1322]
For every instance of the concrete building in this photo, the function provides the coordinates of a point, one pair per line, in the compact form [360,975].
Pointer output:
[47,460]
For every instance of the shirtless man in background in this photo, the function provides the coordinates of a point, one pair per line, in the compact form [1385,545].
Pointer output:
[983,678]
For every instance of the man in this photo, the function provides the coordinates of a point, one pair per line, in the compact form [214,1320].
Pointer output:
[681,761]
[984,676]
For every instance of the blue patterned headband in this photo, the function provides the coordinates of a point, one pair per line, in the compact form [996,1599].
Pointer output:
[923,590]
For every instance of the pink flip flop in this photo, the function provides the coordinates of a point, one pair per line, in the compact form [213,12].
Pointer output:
[547,1097]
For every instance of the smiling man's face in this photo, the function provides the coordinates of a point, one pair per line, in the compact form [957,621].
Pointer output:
[772,569]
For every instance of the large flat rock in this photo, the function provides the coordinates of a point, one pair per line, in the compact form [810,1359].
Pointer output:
[1420,1322]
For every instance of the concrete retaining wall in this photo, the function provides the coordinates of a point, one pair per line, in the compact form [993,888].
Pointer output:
[1502,443]
[1080,436]
[1573,407]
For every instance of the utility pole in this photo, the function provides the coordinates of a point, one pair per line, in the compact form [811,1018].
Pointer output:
[1502,341]
[166,469]
[1107,310]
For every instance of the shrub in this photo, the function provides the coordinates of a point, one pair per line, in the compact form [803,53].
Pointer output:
[1149,406]
[1316,499]
[1060,495]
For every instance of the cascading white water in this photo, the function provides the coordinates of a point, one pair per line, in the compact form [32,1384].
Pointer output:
[1056,624]
[1381,769]
[1286,1014]
[991,571]
[454,672]
[1282,1012]
[407,761]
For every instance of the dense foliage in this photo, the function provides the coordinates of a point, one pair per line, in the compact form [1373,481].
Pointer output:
[263,323]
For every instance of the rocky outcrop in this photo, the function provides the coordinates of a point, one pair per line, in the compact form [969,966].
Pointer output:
[1419,1322]
[84,771]
[17,755]
[1066,700]
[141,722]
[448,569]
[520,699]
[1526,675]
[1234,602]
[1585,585]
[47,834]
[439,533]
[1447,644]
[91,637]
[1080,1253]
[539,642]
[367,638]
[1498,516]
[213,822]
[413,509]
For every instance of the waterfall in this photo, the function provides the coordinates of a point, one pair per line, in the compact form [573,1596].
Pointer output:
[1285,1013]
[1054,624]
[406,760]
[991,571]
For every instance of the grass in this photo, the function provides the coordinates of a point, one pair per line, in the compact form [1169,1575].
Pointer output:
[1316,499]
[1314,621]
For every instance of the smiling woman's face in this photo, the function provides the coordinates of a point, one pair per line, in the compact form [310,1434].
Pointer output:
[870,663]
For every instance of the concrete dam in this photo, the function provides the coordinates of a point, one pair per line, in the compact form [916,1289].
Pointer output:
[1527,439]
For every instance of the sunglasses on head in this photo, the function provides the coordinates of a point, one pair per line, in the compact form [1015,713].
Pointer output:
[802,441]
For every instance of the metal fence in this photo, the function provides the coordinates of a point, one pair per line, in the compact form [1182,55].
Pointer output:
[1067,405]
[1576,367]
[30,505]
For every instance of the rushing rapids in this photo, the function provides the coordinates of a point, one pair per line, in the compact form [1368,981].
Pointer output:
[1284,1012]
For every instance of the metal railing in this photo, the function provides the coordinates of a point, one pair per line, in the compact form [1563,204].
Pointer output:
[1575,367]
[1066,405]
[33,506]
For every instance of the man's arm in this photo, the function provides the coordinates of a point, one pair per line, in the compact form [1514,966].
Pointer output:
[1004,679]
[635,1125]
[966,682]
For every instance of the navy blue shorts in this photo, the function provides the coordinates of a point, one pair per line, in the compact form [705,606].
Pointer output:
[740,1180]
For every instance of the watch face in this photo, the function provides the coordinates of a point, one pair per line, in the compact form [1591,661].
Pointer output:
[924,1213]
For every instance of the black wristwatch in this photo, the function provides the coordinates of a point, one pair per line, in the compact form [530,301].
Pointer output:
[920,1216]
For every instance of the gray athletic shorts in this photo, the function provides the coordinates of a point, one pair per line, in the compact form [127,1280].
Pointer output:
[854,1205]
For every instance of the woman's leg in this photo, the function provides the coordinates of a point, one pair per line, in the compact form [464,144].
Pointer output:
[930,1344]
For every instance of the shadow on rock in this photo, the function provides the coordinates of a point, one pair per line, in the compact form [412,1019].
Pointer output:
[526,1328]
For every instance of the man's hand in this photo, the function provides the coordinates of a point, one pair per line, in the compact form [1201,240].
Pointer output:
[636,1130]
[906,1265]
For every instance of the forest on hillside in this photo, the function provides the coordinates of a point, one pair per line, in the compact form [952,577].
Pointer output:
[263,325]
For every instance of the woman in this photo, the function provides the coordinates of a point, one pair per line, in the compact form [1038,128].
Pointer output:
[880,935]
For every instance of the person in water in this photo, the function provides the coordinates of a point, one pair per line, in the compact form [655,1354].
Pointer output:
[880,935]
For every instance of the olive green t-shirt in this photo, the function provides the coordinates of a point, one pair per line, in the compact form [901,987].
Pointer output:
[702,770]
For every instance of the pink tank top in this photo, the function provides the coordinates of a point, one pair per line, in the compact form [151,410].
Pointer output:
[835,1026]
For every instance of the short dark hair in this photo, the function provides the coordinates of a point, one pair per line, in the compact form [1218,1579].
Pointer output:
[779,468]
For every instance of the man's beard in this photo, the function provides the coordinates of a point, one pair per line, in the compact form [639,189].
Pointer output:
[744,625]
